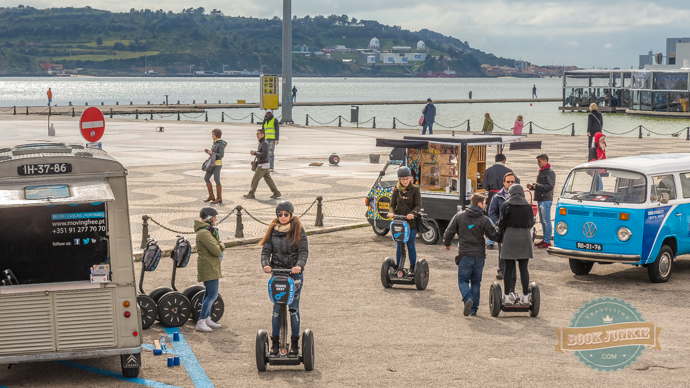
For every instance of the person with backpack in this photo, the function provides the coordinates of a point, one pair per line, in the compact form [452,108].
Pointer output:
[210,254]
[595,123]
[406,200]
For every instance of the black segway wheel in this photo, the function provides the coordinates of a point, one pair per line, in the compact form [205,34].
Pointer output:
[386,272]
[174,309]
[308,350]
[421,275]
[148,311]
[495,299]
[217,308]
[534,299]
[159,292]
[261,350]
[189,292]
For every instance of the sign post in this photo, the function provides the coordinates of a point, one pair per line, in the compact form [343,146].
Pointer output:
[92,126]
[269,92]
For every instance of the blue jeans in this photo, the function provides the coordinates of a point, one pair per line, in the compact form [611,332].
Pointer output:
[411,250]
[209,297]
[430,125]
[545,219]
[294,310]
[470,279]
[271,151]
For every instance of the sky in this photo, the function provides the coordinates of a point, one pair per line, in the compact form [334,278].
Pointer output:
[584,33]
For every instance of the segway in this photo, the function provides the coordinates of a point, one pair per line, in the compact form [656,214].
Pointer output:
[496,304]
[281,290]
[393,274]
[149,262]
[174,309]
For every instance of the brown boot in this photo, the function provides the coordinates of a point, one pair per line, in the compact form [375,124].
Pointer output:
[219,197]
[210,198]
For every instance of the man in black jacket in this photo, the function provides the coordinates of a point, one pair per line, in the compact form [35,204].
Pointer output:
[543,194]
[262,167]
[470,225]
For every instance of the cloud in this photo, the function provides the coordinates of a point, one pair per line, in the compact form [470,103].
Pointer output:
[572,43]
[608,46]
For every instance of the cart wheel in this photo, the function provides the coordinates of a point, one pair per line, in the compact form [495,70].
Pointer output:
[148,311]
[380,231]
[660,270]
[534,299]
[386,272]
[421,275]
[217,308]
[495,299]
[261,350]
[432,236]
[158,292]
[130,373]
[308,350]
[174,309]
[580,267]
[189,292]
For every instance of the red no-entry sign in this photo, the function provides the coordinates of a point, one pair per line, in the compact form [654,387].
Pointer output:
[92,124]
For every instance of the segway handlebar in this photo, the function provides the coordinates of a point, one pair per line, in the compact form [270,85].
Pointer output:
[281,270]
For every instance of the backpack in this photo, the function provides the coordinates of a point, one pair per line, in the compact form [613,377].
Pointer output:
[181,253]
[151,256]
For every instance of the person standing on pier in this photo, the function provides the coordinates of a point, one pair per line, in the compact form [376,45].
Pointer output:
[50,96]
[429,113]
[488,125]
[261,170]
[294,94]
[219,148]
[595,123]
[534,91]
[272,130]
[543,194]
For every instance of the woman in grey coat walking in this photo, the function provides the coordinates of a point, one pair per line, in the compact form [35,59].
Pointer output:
[515,226]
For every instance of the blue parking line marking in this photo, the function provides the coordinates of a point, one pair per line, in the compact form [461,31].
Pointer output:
[115,375]
[188,359]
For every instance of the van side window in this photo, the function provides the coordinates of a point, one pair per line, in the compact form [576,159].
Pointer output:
[663,184]
[685,183]
[390,178]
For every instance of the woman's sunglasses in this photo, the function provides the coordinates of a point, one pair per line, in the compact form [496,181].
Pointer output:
[283,214]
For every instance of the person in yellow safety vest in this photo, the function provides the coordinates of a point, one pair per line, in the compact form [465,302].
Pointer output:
[272,130]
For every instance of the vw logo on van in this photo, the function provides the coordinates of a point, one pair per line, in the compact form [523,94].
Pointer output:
[589,230]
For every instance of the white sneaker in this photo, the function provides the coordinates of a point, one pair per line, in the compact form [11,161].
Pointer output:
[525,299]
[211,324]
[202,326]
[506,299]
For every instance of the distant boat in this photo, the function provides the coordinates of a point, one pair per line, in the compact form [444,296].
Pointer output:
[448,73]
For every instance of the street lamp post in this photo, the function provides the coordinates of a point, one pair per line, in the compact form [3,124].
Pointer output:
[287,62]
[190,69]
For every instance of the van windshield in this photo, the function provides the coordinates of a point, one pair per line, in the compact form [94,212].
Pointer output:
[605,185]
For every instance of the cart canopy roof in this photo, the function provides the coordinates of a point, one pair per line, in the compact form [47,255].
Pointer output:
[421,142]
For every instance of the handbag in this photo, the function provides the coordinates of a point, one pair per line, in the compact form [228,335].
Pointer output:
[254,164]
[209,163]
[421,121]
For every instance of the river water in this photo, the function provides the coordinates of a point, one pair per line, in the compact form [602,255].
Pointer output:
[23,91]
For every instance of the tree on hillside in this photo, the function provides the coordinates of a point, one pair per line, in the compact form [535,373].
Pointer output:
[99,41]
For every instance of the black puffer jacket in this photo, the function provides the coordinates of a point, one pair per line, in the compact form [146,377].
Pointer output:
[471,226]
[278,252]
[262,152]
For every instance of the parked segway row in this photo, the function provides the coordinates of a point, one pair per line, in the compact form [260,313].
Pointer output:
[167,305]
[281,290]
[398,274]
[496,303]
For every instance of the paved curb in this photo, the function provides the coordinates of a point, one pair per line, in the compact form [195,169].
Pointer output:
[255,240]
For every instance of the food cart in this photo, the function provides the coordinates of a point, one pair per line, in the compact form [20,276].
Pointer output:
[447,169]
[66,270]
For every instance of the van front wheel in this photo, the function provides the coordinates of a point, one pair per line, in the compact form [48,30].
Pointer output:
[660,270]
[580,267]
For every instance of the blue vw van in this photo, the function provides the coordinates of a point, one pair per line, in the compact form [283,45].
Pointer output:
[632,210]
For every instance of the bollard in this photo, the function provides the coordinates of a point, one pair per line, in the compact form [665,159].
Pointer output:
[117,102]
[178,115]
[204,101]
[111,112]
[101,103]
[219,101]
[148,102]
[251,115]
[640,136]
[319,212]
[470,94]
[468,125]
[206,116]
[130,103]
[374,126]
[193,101]
[73,111]
[222,117]
[144,231]
[15,110]
[393,122]
[452,133]
[136,111]
[687,135]
[70,103]
[572,129]
[239,226]
[27,110]
[178,102]
[530,127]
[307,122]
[50,110]
[151,114]
[340,122]
[86,104]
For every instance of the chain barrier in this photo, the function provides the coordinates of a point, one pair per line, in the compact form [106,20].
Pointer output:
[168,229]
[310,206]
[187,115]
[320,123]
[35,111]
[231,118]
[254,218]
[674,134]
[623,133]
[407,125]
[456,126]
[501,128]
[548,129]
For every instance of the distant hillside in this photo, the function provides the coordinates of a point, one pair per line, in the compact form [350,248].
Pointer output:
[103,42]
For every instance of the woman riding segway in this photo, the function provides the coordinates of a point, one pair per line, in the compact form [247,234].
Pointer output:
[406,200]
[210,250]
[285,247]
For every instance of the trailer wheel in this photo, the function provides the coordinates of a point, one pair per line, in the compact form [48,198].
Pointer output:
[380,231]
[432,236]
[130,373]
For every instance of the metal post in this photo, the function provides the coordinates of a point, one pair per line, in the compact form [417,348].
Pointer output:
[530,127]
[252,117]
[572,129]
[470,94]
[374,122]
[178,115]
[72,111]
[206,116]
[151,114]
[307,122]
[136,112]
[393,122]
[640,136]
[239,226]
[27,110]
[340,122]
[452,133]
[111,112]
[468,125]
[144,231]
[166,100]
[222,117]
[15,110]
[287,62]
[687,135]
[319,211]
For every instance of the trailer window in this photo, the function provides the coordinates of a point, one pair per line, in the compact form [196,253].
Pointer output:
[50,244]
[390,177]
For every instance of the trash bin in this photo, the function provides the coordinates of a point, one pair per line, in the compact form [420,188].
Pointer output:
[354,114]
[374,158]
